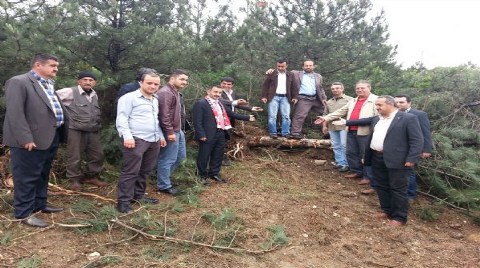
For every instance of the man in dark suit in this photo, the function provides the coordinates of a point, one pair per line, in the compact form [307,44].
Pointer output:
[404,104]
[395,147]
[211,121]
[35,123]
[311,96]
[278,91]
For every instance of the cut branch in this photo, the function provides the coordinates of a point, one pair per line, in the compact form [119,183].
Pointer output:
[287,143]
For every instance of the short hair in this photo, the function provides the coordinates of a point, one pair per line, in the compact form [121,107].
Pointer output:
[228,79]
[309,60]
[142,71]
[407,97]
[388,99]
[176,72]
[43,58]
[152,74]
[212,86]
[337,84]
[282,60]
[364,82]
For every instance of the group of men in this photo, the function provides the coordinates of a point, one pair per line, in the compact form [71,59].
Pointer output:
[151,121]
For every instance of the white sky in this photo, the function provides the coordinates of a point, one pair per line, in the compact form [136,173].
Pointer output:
[435,32]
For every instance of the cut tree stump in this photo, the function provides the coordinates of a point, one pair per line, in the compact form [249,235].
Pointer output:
[266,141]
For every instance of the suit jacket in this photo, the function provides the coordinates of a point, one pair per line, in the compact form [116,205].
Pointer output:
[30,116]
[297,82]
[425,126]
[204,120]
[228,103]
[270,83]
[403,141]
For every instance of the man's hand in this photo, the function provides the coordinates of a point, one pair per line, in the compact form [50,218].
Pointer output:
[203,139]
[241,102]
[319,120]
[425,155]
[340,122]
[410,164]
[29,146]
[264,100]
[294,101]
[130,143]
[172,138]
[324,130]
[269,71]
[257,109]
[252,118]
[163,143]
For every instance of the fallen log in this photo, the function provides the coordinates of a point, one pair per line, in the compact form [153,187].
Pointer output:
[266,141]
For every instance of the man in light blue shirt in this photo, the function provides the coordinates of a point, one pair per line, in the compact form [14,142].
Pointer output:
[138,126]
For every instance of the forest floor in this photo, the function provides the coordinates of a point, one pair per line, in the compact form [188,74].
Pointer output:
[278,209]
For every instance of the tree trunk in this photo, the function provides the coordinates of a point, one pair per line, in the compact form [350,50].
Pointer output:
[287,143]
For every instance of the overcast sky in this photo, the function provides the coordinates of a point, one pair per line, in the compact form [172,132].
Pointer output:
[435,32]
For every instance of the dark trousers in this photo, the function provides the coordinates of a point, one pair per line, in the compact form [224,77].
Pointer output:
[391,188]
[356,146]
[80,142]
[138,163]
[30,171]
[210,153]
[302,108]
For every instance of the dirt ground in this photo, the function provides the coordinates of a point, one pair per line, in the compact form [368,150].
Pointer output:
[327,223]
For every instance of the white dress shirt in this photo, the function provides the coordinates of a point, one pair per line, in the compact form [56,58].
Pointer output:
[380,131]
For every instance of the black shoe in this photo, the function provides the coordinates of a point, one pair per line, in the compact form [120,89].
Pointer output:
[49,209]
[171,190]
[343,169]
[295,136]
[218,178]
[34,222]
[124,208]
[203,180]
[146,200]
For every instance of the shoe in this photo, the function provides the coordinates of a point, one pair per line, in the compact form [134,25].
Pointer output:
[218,178]
[353,176]
[124,208]
[34,222]
[382,216]
[95,181]
[396,223]
[171,191]
[203,180]
[146,200]
[368,191]
[49,209]
[363,182]
[273,136]
[343,168]
[295,136]
[75,186]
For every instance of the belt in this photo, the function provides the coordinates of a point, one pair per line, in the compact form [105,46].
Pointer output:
[281,95]
[305,95]
[377,152]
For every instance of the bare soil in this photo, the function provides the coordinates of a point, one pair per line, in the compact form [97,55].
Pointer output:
[327,221]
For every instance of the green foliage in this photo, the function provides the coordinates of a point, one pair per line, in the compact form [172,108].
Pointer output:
[277,237]
[428,215]
[6,238]
[33,261]
[98,218]
[223,220]
[104,261]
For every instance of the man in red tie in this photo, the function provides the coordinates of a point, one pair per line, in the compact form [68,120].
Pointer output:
[212,122]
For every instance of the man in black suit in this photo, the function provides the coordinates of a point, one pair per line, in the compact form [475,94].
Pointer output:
[211,121]
[395,147]
[404,104]
[35,123]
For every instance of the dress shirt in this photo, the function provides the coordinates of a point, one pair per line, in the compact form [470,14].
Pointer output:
[230,98]
[66,95]
[281,83]
[137,117]
[47,86]
[380,131]
[308,84]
